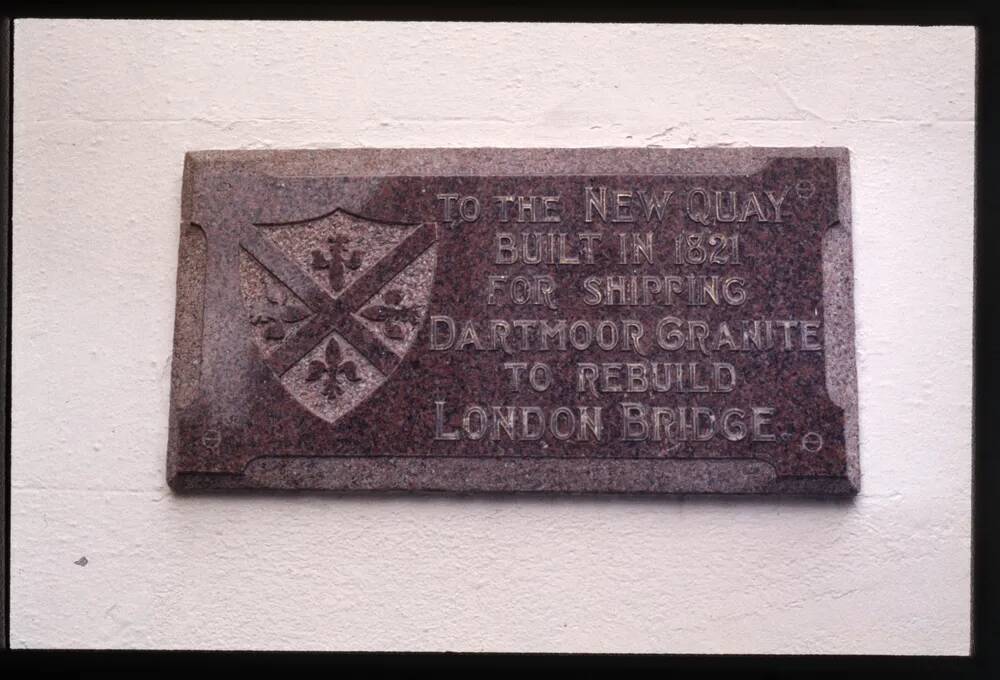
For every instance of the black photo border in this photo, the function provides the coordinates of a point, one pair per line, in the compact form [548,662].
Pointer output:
[984,660]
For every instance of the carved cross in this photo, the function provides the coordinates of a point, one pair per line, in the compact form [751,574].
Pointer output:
[335,314]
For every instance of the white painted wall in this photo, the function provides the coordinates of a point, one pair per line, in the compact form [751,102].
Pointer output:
[104,112]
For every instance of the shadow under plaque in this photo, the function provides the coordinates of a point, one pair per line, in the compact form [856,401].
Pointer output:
[538,320]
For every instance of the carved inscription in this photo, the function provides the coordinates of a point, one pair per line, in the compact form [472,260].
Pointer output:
[568,331]
[675,251]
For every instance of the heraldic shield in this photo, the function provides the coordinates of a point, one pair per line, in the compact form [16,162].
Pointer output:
[334,303]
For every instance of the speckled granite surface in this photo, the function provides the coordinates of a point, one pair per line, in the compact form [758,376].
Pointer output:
[501,320]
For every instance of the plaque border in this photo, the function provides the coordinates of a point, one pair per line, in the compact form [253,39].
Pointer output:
[491,474]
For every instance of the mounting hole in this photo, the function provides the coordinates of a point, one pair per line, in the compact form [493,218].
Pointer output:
[812,442]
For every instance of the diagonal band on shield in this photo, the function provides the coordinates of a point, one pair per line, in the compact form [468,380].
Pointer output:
[335,314]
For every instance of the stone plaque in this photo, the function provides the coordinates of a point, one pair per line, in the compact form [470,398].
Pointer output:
[561,320]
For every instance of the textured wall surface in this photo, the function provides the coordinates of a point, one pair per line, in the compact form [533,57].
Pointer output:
[104,112]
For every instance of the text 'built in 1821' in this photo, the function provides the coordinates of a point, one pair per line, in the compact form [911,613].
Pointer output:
[603,320]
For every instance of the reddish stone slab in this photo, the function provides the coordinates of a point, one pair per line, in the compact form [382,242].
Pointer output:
[559,320]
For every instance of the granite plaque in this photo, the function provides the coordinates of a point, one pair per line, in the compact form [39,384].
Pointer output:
[546,320]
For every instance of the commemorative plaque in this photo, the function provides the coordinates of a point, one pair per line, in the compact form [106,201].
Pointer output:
[545,320]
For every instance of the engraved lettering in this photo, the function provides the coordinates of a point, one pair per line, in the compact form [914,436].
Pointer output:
[652,204]
[776,202]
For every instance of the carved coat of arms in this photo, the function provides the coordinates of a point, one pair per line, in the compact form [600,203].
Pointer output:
[333,304]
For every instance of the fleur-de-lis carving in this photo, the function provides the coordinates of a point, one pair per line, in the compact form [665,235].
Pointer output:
[336,264]
[333,368]
[392,314]
[275,310]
